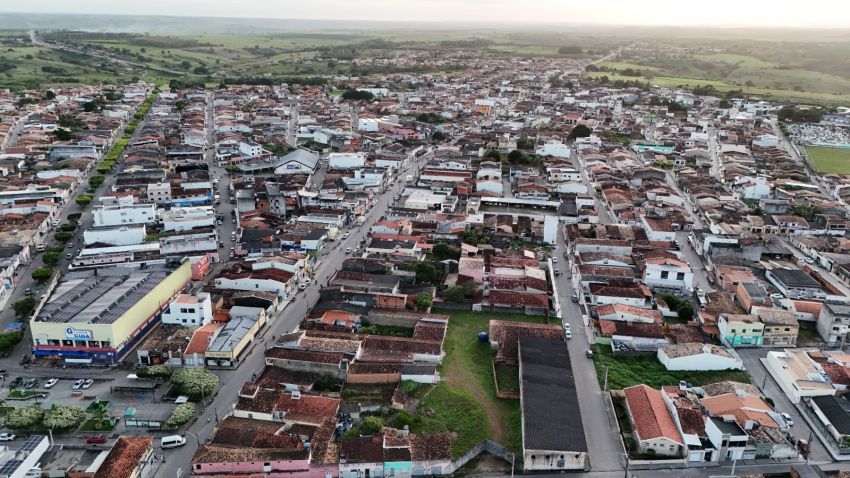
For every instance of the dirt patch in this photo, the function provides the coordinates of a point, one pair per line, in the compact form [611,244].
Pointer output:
[461,379]
[490,464]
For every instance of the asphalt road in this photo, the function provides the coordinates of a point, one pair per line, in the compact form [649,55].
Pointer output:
[286,321]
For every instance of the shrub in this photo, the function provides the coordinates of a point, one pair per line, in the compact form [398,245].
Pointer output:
[371,426]
[25,417]
[24,307]
[63,417]
[156,371]
[181,415]
[96,180]
[194,382]
[83,200]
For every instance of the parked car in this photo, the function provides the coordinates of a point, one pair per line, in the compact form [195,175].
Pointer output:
[345,236]
[6,437]
[348,250]
[17,382]
[30,382]
[788,420]
[50,383]
[554,260]
[589,353]
[809,260]
[93,439]
[557,272]
[88,383]
[574,298]
[78,384]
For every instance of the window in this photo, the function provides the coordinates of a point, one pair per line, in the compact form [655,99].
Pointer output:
[183,310]
[680,276]
[191,311]
[664,274]
[733,331]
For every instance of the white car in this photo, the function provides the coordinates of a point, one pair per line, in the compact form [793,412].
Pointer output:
[345,236]
[6,437]
[88,383]
[50,383]
[78,384]
[788,420]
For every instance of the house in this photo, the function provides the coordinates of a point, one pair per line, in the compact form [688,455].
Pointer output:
[834,322]
[833,412]
[728,437]
[655,431]
[740,330]
[189,310]
[780,326]
[552,431]
[346,160]
[658,228]
[749,410]
[795,284]
[130,457]
[627,313]
[798,375]
[698,357]
[670,275]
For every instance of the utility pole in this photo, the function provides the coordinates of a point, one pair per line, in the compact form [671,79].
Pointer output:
[734,461]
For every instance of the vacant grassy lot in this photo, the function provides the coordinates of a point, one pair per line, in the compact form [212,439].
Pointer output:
[450,409]
[466,370]
[830,160]
[626,372]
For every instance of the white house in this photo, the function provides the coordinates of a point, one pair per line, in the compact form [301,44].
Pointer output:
[728,437]
[189,310]
[188,218]
[123,215]
[115,236]
[300,161]
[367,124]
[554,148]
[668,274]
[492,186]
[798,375]
[250,149]
[159,193]
[568,187]
[346,160]
[698,357]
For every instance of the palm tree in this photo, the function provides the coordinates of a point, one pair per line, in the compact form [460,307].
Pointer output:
[100,415]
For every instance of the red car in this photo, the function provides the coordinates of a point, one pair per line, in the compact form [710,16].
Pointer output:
[92,439]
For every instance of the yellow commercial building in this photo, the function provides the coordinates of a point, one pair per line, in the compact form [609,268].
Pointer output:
[98,316]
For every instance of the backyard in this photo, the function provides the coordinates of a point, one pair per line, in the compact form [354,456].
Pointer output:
[625,372]
[830,160]
[469,390]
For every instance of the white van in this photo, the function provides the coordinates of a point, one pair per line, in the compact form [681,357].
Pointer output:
[172,441]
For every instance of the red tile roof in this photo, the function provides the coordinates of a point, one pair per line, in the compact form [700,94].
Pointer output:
[651,417]
[124,457]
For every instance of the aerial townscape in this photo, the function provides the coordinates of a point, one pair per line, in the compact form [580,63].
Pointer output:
[248,247]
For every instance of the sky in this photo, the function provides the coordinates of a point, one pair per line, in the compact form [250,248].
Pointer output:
[733,13]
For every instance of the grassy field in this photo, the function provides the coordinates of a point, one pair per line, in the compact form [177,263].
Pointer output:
[830,160]
[467,372]
[626,372]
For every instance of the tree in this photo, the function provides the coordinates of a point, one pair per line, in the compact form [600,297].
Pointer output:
[181,415]
[454,294]
[438,136]
[63,236]
[63,417]
[424,301]
[25,418]
[371,426]
[49,94]
[525,142]
[24,307]
[96,181]
[686,311]
[196,383]
[83,200]
[580,131]
[185,64]
[443,251]
[42,275]
[100,415]
[8,340]
[352,94]
[493,154]
[569,50]
[806,211]
[425,272]
[515,156]
[62,134]
[51,258]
